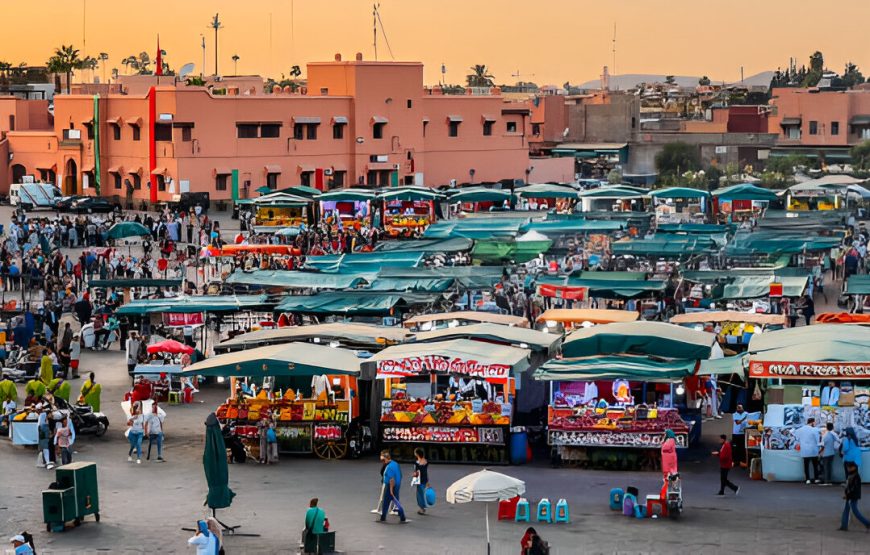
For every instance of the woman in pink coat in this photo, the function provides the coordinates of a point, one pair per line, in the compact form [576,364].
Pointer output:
[669,454]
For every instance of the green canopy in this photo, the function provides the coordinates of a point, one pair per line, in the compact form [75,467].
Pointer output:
[470,277]
[368,336]
[410,284]
[524,338]
[454,244]
[495,251]
[479,194]
[701,229]
[669,246]
[858,285]
[409,193]
[679,192]
[264,190]
[771,242]
[286,359]
[567,227]
[753,287]
[214,464]
[302,191]
[725,365]
[127,229]
[608,289]
[362,262]
[744,191]
[639,338]
[475,228]
[548,191]
[133,282]
[816,343]
[614,368]
[355,302]
[346,195]
[295,280]
[608,275]
[616,192]
[204,303]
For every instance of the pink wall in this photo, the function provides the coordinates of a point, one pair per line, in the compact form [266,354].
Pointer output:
[822,107]
[552,170]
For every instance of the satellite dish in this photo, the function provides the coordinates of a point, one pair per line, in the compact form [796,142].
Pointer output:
[185,70]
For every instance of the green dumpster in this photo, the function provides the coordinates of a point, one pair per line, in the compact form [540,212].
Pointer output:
[58,507]
[79,479]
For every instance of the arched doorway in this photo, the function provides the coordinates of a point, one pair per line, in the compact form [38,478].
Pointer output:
[71,178]
[18,173]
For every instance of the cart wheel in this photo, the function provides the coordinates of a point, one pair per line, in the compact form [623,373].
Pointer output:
[331,449]
[97,516]
[77,522]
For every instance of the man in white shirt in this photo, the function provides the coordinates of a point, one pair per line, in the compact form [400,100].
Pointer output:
[132,348]
[154,431]
[808,438]
[830,395]
[319,385]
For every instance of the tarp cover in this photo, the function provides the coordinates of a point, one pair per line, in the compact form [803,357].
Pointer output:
[614,368]
[608,289]
[665,246]
[288,359]
[479,194]
[368,335]
[546,190]
[349,302]
[533,339]
[639,338]
[496,251]
[475,228]
[295,280]
[679,192]
[471,277]
[744,191]
[820,342]
[206,303]
[362,262]
[568,227]
[454,244]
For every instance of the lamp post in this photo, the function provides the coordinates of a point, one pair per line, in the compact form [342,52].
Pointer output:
[471,173]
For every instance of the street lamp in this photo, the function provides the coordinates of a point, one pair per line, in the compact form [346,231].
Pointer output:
[471,173]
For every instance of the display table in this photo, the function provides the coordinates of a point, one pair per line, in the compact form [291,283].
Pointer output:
[788,466]
[24,433]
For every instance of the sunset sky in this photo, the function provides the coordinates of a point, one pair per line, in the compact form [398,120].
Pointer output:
[551,41]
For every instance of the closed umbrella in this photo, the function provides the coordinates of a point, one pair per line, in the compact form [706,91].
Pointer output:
[486,487]
[170,346]
[214,461]
[122,230]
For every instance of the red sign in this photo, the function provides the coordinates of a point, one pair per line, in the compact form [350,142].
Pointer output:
[776,290]
[443,434]
[813,370]
[327,431]
[563,292]
[416,366]
[180,319]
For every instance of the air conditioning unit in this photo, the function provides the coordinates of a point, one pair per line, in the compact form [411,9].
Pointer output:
[396,167]
[328,171]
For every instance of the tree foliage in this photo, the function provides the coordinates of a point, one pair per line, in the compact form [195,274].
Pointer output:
[861,156]
[479,76]
[677,158]
[66,60]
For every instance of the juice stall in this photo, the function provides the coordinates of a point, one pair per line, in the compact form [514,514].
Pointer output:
[408,209]
[351,208]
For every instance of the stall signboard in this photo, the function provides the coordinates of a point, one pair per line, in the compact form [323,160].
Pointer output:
[294,438]
[426,364]
[613,438]
[181,319]
[328,432]
[443,434]
[331,414]
[776,290]
[566,292]
[809,370]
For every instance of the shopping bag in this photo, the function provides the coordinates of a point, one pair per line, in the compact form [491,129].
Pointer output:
[430,496]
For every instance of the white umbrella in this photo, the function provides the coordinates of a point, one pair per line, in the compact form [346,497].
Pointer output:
[485,486]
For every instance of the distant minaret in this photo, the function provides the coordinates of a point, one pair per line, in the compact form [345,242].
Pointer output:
[605,79]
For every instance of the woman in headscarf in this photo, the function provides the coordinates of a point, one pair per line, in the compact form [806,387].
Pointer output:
[205,541]
[90,393]
[850,449]
[59,388]
[669,453]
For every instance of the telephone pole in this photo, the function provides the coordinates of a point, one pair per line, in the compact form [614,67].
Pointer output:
[216,25]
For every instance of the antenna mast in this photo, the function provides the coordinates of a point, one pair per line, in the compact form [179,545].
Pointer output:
[377,22]
[614,48]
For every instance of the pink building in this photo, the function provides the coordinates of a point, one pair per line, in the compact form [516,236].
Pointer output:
[358,123]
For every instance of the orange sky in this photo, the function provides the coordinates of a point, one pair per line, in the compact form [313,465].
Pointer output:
[550,41]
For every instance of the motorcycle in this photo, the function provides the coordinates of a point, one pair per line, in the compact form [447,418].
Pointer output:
[84,419]
[19,368]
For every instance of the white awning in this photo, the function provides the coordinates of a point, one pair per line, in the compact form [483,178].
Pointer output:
[379,119]
[272,168]
[338,120]
[454,118]
[487,117]
[222,171]
[306,119]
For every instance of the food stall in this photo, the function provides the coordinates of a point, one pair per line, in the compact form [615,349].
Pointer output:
[428,322]
[453,397]
[734,329]
[408,209]
[570,318]
[478,199]
[800,364]
[544,196]
[281,210]
[288,377]
[617,389]
[347,207]
[741,201]
[678,204]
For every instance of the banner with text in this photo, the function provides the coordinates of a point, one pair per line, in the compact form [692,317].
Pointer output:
[427,364]
[812,370]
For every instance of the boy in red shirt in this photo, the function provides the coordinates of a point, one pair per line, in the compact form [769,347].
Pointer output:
[725,464]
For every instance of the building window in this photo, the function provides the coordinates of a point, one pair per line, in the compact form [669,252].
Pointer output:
[161,183]
[305,178]
[410,103]
[247,130]
[865,133]
[536,129]
[185,134]
[324,91]
[511,127]
[835,128]
[633,122]
[116,181]
[453,129]
[814,128]
[338,131]
[11,122]
[270,130]
[137,181]
[298,131]
[116,132]
[425,127]
[378,130]
[89,126]
[163,132]
[338,178]
[272,180]
[793,132]
[311,132]
[220,182]
[137,133]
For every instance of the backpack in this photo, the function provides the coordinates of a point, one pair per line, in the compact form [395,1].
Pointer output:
[271,436]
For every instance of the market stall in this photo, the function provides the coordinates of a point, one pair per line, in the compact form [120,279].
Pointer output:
[351,208]
[408,209]
[678,204]
[570,318]
[820,372]
[733,329]
[309,391]
[428,322]
[281,210]
[478,199]
[454,397]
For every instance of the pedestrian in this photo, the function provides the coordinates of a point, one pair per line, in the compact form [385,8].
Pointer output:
[44,433]
[272,443]
[315,521]
[808,444]
[421,478]
[132,348]
[850,449]
[62,437]
[135,432]
[154,430]
[726,463]
[392,483]
[22,544]
[262,427]
[90,393]
[669,454]
[533,544]
[738,433]
[829,450]
[809,309]
[46,368]
[205,540]
[852,495]
[75,353]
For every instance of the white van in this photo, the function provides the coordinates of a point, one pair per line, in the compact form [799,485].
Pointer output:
[34,195]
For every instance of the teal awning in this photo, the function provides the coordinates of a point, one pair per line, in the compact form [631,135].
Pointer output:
[295,280]
[133,282]
[548,191]
[609,289]
[679,192]
[369,336]
[567,227]
[522,337]
[204,303]
[362,262]
[614,368]
[750,283]
[609,275]
[479,194]
[453,244]
[639,338]
[498,251]
[475,228]
[744,191]
[432,285]
[616,192]
[701,229]
[723,366]
[356,302]
[668,246]
[409,193]
[470,277]
[302,191]
[347,195]
[287,359]
[858,285]
[816,343]
[772,242]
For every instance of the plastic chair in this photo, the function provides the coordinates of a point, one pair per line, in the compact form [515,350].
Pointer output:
[523,511]
[545,511]
[174,397]
[653,501]
[507,508]
[563,513]
[616,495]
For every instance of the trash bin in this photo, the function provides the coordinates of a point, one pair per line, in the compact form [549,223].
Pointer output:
[82,478]
[58,507]
[519,445]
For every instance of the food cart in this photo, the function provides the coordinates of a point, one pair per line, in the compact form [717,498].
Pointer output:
[289,377]
[350,208]
[281,210]
[453,397]
[478,199]
[408,209]
[799,366]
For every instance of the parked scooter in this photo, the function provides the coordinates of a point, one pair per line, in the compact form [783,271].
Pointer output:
[84,419]
[19,368]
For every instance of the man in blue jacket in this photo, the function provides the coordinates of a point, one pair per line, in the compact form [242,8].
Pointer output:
[392,483]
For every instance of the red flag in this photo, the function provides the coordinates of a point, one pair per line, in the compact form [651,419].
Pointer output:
[159,70]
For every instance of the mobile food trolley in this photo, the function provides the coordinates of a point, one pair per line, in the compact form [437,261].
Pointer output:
[454,397]
[309,391]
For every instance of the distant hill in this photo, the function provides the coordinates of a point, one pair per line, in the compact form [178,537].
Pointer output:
[631,80]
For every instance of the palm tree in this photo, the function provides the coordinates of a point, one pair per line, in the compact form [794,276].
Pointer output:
[295,72]
[5,68]
[235,64]
[479,76]
[103,57]
[65,60]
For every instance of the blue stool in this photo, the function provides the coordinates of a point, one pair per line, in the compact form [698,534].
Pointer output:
[523,510]
[616,495]
[563,514]
[545,511]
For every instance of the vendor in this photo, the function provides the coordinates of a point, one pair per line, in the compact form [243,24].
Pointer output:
[320,386]
[830,395]
[460,386]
